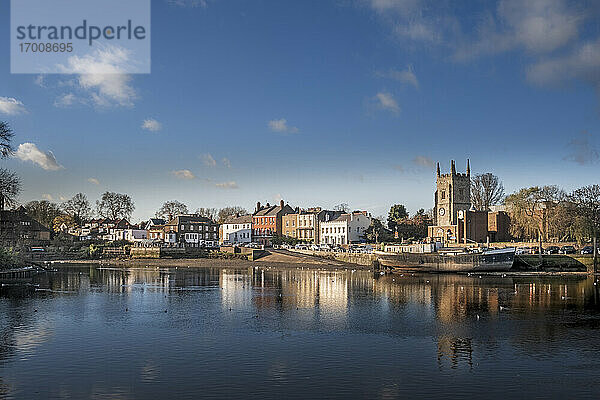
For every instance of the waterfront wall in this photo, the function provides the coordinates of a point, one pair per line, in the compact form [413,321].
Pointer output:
[351,258]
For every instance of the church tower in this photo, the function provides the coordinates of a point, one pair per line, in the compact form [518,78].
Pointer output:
[453,194]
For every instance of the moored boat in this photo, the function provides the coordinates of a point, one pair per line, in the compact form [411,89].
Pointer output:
[451,261]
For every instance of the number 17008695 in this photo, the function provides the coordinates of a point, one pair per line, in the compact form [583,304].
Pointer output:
[46,47]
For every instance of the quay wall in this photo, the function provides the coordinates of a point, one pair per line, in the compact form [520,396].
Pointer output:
[351,258]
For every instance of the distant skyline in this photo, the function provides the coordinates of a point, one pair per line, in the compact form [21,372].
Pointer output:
[318,103]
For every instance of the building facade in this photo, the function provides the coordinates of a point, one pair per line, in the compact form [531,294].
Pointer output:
[192,230]
[17,228]
[267,222]
[236,230]
[345,229]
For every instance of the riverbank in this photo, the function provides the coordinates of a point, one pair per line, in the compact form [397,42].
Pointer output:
[274,259]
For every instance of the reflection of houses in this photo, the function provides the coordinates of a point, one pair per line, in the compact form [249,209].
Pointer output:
[236,230]
[456,350]
[454,219]
[18,228]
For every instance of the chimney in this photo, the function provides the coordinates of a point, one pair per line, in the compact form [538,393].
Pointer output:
[257,206]
[468,168]
[297,210]
[438,169]
[268,205]
[281,203]
[453,167]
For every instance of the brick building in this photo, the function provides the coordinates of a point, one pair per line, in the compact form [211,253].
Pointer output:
[267,221]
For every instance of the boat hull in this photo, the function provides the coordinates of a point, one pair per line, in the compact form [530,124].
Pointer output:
[498,261]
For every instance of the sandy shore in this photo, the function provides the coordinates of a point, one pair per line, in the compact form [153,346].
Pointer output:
[275,259]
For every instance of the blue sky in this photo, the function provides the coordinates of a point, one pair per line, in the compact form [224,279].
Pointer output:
[318,102]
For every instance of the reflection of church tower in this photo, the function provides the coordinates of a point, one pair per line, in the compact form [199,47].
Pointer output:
[452,195]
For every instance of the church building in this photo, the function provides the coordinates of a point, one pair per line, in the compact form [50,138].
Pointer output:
[455,221]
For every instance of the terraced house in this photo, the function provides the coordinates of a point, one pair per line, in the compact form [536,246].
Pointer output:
[236,230]
[267,221]
[192,230]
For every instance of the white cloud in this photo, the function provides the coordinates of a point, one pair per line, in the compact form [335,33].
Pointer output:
[539,25]
[421,30]
[227,185]
[40,80]
[65,100]
[582,63]
[152,125]
[208,160]
[11,106]
[536,26]
[280,125]
[101,76]
[93,181]
[386,101]
[183,174]
[47,196]
[423,161]
[400,6]
[406,76]
[30,152]
[226,162]
[188,3]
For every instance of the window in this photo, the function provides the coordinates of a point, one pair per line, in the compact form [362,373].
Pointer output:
[182,227]
[443,194]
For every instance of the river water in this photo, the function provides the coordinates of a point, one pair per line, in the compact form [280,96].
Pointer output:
[298,333]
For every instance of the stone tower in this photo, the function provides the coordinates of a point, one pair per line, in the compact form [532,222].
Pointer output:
[453,194]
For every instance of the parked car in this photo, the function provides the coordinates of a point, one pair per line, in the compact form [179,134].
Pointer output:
[587,250]
[567,250]
[552,250]
[314,247]
[325,247]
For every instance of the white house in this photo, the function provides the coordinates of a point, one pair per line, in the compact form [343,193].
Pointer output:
[237,230]
[345,229]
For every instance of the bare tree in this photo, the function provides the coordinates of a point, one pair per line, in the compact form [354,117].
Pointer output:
[486,190]
[78,207]
[343,207]
[6,134]
[207,212]
[43,211]
[532,208]
[587,203]
[115,206]
[227,212]
[10,187]
[171,208]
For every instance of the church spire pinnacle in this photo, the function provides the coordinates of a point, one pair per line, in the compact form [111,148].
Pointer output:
[438,169]
[452,167]
[468,168]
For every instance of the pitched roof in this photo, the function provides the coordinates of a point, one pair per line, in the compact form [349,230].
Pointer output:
[242,219]
[190,218]
[273,211]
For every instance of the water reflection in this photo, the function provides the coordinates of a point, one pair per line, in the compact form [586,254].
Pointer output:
[151,327]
